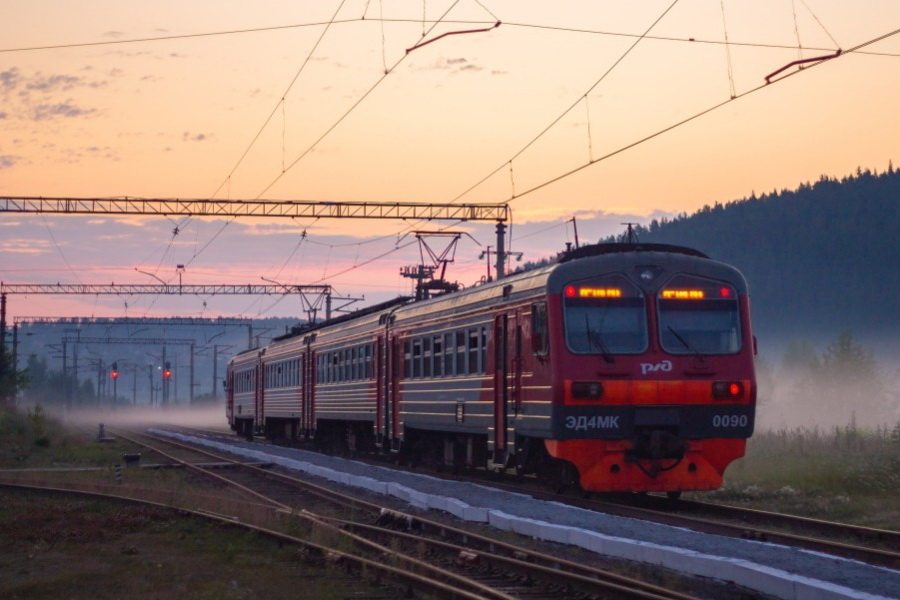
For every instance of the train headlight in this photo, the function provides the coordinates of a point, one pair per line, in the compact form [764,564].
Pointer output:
[728,390]
[587,389]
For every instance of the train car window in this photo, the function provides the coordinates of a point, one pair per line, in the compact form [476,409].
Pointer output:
[417,358]
[540,334]
[438,348]
[605,316]
[407,359]
[460,352]
[698,316]
[448,355]
[368,361]
[484,345]
[426,357]
[473,351]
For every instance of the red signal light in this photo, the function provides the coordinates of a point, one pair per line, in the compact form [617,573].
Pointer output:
[114,375]
[167,374]
[570,291]
[725,292]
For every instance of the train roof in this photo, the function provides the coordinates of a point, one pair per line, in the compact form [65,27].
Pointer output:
[581,262]
[375,308]
[618,248]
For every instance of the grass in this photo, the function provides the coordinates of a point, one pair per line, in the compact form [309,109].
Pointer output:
[844,474]
[58,547]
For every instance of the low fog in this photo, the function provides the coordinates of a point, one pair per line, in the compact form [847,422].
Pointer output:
[840,383]
[207,417]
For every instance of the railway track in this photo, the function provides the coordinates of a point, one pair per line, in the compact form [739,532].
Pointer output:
[873,546]
[471,563]
[882,546]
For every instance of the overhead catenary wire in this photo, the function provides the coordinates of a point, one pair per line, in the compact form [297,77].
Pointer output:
[280,102]
[506,24]
[350,110]
[571,107]
[700,114]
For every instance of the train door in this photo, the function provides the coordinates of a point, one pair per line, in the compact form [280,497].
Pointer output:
[517,364]
[229,397]
[309,392]
[393,412]
[380,390]
[259,396]
[501,389]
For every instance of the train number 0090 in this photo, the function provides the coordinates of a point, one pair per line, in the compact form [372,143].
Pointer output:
[730,421]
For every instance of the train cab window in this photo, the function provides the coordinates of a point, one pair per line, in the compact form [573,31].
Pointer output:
[698,316]
[540,334]
[605,316]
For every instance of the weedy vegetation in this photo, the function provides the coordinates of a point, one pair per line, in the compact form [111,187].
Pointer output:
[848,474]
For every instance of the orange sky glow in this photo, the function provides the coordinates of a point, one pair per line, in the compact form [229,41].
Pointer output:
[103,98]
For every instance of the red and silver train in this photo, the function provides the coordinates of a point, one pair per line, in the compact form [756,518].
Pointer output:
[621,367]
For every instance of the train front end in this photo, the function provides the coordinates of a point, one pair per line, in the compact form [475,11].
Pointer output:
[655,389]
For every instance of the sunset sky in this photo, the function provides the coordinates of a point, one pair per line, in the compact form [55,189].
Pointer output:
[323,101]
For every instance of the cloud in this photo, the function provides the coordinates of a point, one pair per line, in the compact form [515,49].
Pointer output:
[44,112]
[454,65]
[9,79]
[7,161]
[37,97]
[194,137]
[52,83]
[25,246]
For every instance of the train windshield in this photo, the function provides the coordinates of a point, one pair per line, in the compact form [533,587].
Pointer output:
[698,316]
[605,316]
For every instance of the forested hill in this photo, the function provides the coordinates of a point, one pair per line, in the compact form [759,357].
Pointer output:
[819,259]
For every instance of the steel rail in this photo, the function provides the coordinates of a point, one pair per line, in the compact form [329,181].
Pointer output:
[454,580]
[665,515]
[580,576]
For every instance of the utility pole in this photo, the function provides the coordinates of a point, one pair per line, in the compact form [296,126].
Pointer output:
[66,383]
[500,269]
[165,385]
[150,369]
[215,390]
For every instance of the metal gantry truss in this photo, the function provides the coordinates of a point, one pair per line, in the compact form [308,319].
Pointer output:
[498,213]
[311,296]
[256,208]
